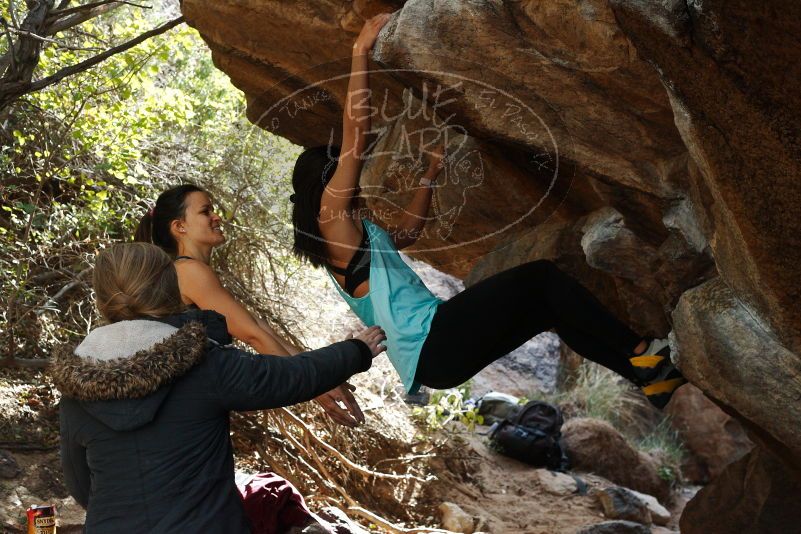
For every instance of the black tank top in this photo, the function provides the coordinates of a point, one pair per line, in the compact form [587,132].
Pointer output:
[188,306]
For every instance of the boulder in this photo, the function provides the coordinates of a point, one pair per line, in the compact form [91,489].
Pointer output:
[741,364]
[712,438]
[556,483]
[619,503]
[595,446]
[659,514]
[740,121]
[583,132]
[455,519]
[756,494]
[576,123]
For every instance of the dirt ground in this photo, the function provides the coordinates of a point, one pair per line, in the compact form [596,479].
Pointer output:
[502,495]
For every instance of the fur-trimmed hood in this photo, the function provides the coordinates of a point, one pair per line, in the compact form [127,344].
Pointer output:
[120,371]
[91,375]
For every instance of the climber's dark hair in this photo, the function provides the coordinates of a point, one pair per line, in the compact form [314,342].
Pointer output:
[155,225]
[313,169]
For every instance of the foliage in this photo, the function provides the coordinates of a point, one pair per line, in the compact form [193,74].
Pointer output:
[449,405]
[664,444]
[82,160]
[595,392]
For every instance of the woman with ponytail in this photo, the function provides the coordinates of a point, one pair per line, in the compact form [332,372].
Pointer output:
[183,223]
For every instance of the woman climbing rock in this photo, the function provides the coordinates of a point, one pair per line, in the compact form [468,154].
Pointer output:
[430,342]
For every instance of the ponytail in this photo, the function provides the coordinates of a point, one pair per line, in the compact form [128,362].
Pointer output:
[133,280]
[144,232]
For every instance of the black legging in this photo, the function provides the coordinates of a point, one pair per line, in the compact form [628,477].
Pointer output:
[498,314]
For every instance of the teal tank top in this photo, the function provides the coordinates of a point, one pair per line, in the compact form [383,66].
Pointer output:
[398,301]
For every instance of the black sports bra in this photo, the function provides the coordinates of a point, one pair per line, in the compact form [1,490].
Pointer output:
[358,269]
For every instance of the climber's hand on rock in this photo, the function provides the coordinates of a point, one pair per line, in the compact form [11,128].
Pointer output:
[367,38]
[436,160]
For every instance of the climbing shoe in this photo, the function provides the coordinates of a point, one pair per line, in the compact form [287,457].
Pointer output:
[660,392]
[651,363]
[656,375]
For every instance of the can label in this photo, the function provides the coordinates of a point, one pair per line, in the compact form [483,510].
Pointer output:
[42,520]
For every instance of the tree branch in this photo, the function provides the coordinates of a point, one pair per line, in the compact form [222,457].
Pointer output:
[70,21]
[11,91]
[78,9]
[51,41]
[24,55]
[8,58]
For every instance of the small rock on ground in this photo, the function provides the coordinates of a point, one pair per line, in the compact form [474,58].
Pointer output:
[339,522]
[659,514]
[456,519]
[616,527]
[556,483]
[619,503]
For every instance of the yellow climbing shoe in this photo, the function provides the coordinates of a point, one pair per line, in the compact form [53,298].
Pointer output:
[656,375]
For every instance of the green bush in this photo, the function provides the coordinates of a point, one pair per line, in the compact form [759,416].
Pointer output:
[449,405]
[82,160]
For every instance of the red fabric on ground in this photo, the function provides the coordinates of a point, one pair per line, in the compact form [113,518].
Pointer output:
[273,505]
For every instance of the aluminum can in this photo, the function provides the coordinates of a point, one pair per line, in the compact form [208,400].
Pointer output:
[42,519]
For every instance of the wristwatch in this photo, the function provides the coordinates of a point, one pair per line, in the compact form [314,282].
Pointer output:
[426,181]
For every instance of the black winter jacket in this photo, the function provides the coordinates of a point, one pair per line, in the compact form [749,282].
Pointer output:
[144,413]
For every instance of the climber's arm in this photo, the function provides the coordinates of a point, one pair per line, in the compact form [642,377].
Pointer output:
[415,214]
[339,192]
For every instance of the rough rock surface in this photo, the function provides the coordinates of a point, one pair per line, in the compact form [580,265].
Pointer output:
[712,438]
[556,483]
[741,364]
[756,494]
[595,446]
[455,519]
[646,147]
[619,503]
[8,465]
[738,115]
[659,514]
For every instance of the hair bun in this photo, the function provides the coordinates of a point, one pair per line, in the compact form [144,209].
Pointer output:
[292,198]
